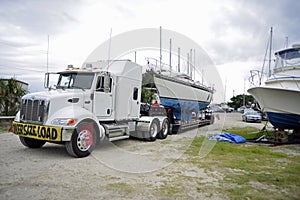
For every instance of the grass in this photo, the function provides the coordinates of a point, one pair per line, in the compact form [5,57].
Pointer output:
[250,170]
[4,128]
[171,190]
[248,132]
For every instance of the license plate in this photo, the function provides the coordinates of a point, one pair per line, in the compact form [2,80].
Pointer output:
[49,133]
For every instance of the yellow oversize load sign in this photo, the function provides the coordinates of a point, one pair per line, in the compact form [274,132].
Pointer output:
[49,133]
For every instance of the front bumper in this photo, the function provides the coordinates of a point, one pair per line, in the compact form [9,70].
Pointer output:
[41,132]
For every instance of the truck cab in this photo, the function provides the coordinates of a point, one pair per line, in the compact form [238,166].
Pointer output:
[83,106]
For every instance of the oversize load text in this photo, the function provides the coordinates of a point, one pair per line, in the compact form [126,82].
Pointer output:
[37,131]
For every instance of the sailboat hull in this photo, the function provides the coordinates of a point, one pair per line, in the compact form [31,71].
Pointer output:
[183,97]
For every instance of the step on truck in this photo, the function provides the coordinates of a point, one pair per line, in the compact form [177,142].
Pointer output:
[100,101]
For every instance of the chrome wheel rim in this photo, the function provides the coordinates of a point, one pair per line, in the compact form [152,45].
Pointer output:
[153,130]
[165,129]
[84,140]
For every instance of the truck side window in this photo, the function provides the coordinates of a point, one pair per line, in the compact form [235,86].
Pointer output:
[135,93]
[100,86]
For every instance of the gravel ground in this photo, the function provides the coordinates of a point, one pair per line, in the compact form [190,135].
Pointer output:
[129,169]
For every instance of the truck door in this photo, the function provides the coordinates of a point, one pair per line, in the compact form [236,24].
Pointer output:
[103,99]
[135,104]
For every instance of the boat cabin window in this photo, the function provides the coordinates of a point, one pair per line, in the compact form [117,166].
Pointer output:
[288,58]
[103,84]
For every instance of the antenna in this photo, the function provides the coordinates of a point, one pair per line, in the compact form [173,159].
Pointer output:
[109,48]
[47,53]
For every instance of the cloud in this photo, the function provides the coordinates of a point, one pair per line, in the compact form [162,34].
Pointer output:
[233,32]
[24,26]
[241,28]
[37,17]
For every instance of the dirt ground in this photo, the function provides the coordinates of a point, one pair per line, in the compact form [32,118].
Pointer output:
[129,169]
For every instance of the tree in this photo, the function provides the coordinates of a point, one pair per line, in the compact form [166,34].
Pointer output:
[148,87]
[11,92]
[238,101]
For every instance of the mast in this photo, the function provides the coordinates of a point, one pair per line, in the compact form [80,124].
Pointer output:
[160,46]
[191,63]
[178,59]
[269,45]
[188,63]
[270,50]
[170,61]
[194,65]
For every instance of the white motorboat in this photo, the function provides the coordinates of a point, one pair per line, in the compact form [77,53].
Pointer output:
[279,97]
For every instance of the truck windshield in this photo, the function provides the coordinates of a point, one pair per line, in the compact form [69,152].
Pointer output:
[75,80]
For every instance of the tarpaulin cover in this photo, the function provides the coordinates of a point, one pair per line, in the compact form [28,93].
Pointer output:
[228,137]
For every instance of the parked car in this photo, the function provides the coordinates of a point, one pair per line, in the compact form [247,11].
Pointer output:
[251,116]
[264,117]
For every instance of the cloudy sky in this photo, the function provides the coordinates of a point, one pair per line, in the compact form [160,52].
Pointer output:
[234,33]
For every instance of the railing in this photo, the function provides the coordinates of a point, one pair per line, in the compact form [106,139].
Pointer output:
[7,117]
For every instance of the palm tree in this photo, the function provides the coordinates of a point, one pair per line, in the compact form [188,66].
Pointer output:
[11,92]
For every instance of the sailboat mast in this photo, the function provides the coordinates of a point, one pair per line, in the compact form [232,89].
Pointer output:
[160,46]
[178,59]
[188,63]
[194,65]
[191,63]
[170,61]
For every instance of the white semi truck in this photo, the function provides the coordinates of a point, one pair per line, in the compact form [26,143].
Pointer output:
[102,100]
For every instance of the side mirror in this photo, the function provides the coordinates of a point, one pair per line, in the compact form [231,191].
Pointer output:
[46,80]
[50,80]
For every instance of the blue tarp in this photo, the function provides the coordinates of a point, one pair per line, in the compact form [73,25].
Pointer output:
[228,137]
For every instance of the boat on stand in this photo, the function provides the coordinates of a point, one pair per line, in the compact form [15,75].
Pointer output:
[279,96]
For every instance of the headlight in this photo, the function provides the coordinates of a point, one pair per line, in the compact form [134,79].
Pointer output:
[63,121]
[17,117]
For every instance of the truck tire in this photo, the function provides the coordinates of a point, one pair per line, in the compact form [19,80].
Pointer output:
[153,130]
[163,133]
[32,143]
[83,140]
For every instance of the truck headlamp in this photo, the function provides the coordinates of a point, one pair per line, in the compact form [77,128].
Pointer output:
[64,121]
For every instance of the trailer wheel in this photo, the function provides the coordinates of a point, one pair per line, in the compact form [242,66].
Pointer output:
[83,140]
[32,143]
[163,133]
[153,130]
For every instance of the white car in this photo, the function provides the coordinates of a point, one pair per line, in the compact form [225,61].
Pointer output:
[251,116]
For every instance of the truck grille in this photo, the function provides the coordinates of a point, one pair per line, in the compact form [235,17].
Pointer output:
[34,110]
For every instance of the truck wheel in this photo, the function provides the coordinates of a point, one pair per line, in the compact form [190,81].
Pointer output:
[153,130]
[32,143]
[83,140]
[163,133]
